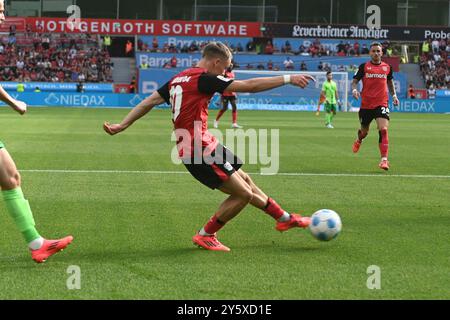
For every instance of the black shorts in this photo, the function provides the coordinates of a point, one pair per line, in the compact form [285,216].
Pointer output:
[367,115]
[228,99]
[216,169]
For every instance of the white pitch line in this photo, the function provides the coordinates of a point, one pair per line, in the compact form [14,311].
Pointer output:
[421,176]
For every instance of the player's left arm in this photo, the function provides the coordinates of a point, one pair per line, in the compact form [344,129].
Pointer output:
[337,96]
[262,84]
[136,113]
[391,87]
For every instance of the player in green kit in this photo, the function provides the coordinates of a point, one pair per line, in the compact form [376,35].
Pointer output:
[15,202]
[329,90]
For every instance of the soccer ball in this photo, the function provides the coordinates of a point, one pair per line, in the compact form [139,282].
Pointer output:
[325,224]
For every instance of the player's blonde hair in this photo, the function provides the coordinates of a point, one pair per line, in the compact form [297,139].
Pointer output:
[216,50]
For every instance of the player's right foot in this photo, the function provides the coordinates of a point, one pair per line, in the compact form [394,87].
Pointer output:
[216,124]
[49,248]
[356,146]
[209,242]
[295,221]
[384,164]
[236,126]
[330,126]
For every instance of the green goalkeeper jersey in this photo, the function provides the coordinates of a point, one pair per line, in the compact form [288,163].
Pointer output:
[330,89]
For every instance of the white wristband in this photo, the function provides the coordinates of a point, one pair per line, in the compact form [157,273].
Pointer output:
[394,96]
[354,90]
[287,78]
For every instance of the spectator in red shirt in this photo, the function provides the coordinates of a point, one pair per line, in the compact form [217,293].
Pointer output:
[269,48]
[173,62]
[411,93]
[155,44]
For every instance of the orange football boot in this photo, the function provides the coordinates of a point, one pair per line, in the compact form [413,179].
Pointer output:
[356,146]
[295,221]
[384,164]
[209,242]
[49,248]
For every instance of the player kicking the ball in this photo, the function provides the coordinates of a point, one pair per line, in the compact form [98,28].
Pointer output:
[207,160]
[376,76]
[16,204]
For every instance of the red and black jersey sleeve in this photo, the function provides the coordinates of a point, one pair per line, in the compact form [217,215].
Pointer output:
[390,75]
[164,92]
[210,84]
[360,73]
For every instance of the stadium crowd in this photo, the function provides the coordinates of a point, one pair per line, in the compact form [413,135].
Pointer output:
[315,49]
[53,58]
[434,64]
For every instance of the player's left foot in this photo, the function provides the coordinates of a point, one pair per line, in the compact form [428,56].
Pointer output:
[209,242]
[384,164]
[49,248]
[295,221]
[356,146]
[317,113]
[216,124]
[236,126]
[330,126]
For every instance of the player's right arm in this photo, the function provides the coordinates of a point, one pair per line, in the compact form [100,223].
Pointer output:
[262,84]
[136,113]
[19,106]
[358,76]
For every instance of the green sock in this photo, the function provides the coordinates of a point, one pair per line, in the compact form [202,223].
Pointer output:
[20,211]
[331,117]
[328,118]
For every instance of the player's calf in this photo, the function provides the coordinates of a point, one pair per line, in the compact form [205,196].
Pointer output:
[383,143]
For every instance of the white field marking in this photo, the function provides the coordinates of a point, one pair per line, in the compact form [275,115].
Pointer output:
[418,176]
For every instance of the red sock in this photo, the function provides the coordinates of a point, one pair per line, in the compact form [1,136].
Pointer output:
[221,112]
[234,113]
[361,135]
[213,225]
[273,209]
[383,143]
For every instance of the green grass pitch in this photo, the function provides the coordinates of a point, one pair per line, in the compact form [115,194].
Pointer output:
[133,230]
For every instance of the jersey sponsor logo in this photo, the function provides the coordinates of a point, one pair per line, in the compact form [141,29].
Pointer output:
[376,75]
[181,79]
[223,78]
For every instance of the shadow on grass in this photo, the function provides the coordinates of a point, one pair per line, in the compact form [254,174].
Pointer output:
[76,256]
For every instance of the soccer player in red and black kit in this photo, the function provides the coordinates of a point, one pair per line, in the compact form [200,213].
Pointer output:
[189,93]
[376,76]
[228,98]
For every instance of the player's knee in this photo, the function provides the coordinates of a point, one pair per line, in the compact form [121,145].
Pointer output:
[12,181]
[246,195]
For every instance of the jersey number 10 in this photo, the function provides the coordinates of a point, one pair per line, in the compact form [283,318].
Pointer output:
[176,97]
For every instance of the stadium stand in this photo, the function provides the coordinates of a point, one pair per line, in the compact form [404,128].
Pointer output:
[434,64]
[53,58]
